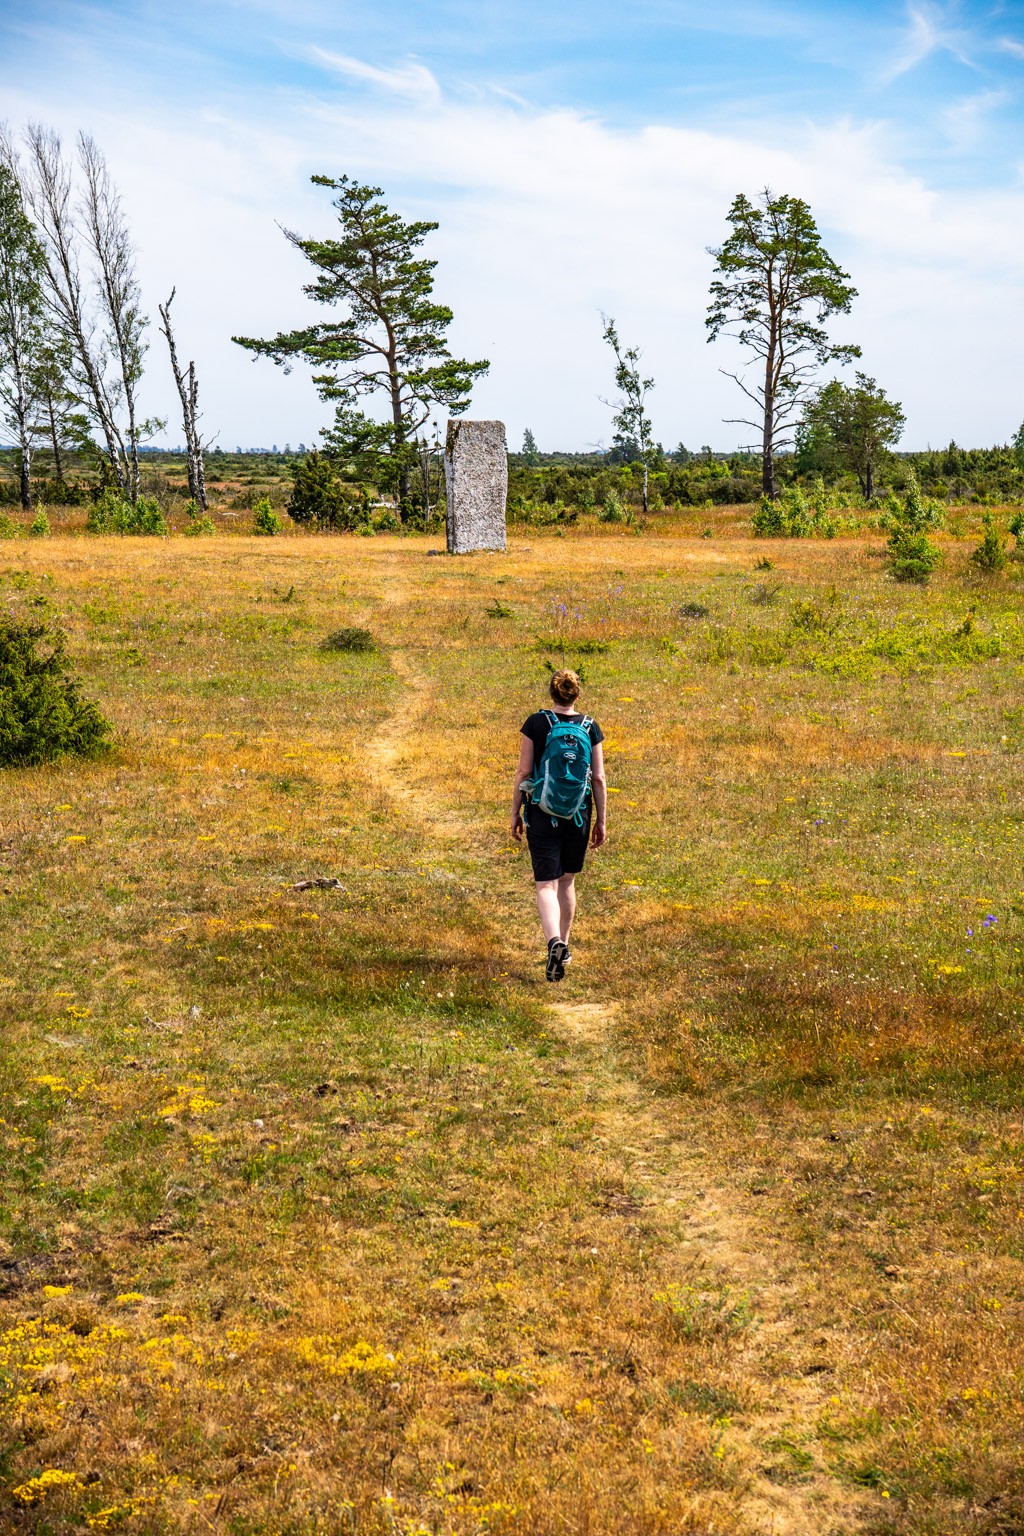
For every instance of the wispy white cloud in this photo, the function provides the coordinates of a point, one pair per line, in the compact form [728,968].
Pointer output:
[1011,45]
[548,216]
[965,120]
[411,80]
[928,31]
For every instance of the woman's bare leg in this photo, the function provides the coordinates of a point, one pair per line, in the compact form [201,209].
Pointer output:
[566,905]
[549,906]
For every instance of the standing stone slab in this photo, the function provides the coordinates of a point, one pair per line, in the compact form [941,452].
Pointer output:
[476,480]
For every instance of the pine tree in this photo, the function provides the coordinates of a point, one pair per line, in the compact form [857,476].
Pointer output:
[389,342]
[778,285]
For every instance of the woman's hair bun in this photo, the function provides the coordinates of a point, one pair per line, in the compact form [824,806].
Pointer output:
[565,686]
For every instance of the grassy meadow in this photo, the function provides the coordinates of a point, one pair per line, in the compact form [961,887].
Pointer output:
[321,1212]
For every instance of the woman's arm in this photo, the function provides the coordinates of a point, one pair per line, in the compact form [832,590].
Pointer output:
[599,784]
[523,772]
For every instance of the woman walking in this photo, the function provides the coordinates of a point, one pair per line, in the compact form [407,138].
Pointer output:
[559,789]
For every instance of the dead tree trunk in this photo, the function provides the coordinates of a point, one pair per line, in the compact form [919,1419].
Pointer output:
[188,392]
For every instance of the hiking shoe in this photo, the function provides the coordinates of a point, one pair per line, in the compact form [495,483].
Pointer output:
[558,952]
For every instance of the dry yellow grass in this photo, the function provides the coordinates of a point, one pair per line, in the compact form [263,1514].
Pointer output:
[317,1217]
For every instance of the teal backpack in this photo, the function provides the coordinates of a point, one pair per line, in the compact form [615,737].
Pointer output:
[561,779]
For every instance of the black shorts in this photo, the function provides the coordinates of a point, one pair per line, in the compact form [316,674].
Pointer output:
[557,847]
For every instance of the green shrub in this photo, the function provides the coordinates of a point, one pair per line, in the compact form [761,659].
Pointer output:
[612,510]
[817,618]
[349,640]
[1016,527]
[388,522]
[145,517]
[42,715]
[200,527]
[915,512]
[39,527]
[9,529]
[319,497]
[821,500]
[573,647]
[795,512]
[103,511]
[769,521]
[792,517]
[114,513]
[911,556]
[265,521]
[63,493]
[990,554]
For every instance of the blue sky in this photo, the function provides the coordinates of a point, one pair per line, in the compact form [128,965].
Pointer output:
[579,157]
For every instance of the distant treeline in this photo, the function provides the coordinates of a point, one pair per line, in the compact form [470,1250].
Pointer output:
[985,476]
[551,483]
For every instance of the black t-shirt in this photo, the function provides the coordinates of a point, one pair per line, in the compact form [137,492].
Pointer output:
[538,727]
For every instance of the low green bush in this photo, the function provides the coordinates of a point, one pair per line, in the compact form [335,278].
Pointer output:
[911,556]
[792,517]
[990,554]
[42,713]
[769,521]
[9,529]
[349,640]
[319,497]
[200,527]
[573,647]
[612,511]
[114,513]
[63,493]
[265,521]
[39,527]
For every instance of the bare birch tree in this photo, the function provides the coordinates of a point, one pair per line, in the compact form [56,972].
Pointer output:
[21,322]
[631,418]
[120,296]
[96,314]
[48,187]
[188,391]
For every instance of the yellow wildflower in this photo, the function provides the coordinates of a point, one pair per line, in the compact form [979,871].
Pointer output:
[38,1487]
